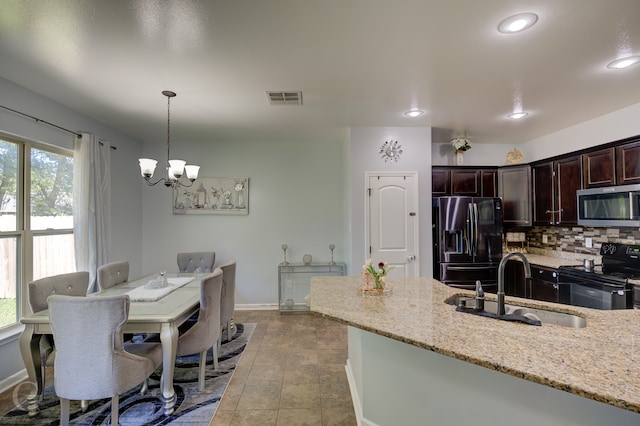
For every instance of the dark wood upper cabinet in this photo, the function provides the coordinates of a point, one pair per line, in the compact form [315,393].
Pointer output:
[543,199]
[440,182]
[489,181]
[628,163]
[568,181]
[554,186]
[544,193]
[514,186]
[599,168]
[465,182]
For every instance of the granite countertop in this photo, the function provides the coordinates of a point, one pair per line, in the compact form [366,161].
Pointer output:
[600,361]
[556,259]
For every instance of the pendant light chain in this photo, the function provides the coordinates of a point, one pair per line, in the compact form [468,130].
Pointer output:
[168,129]
[175,168]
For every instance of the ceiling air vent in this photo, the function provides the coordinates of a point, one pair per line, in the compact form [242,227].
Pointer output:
[285,98]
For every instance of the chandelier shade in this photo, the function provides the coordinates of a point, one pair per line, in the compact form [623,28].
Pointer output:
[147,167]
[175,168]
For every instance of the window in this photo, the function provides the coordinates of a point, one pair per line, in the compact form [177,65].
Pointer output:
[36,220]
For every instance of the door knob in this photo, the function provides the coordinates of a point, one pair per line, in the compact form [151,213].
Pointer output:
[411,258]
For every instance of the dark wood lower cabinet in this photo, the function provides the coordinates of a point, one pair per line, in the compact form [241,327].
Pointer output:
[515,283]
[544,284]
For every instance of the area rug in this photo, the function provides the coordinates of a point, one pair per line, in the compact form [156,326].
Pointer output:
[192,406]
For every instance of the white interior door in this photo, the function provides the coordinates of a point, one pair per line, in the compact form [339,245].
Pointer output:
[392,219]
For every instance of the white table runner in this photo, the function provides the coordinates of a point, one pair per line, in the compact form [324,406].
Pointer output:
[144,294]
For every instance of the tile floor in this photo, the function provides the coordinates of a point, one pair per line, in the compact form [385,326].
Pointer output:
[291,373]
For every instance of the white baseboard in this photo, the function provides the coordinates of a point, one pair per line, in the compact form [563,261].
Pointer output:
[13,380]
[355,398]
[257,307]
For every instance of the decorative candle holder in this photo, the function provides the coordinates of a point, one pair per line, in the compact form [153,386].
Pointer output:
[284,262]
[332,247]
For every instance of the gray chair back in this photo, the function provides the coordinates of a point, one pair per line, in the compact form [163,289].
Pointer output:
[111,274]
[206,331]
[188,262]
[72,284]
[228,299]
[91,361]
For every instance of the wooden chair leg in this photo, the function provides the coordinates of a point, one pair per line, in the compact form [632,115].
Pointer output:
[64,412]
[115,401]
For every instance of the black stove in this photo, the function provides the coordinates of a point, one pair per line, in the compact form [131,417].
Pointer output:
[605,286]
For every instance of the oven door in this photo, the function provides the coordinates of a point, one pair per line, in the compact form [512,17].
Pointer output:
[600,296]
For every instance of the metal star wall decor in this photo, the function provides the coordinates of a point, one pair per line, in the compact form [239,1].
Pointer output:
[391,151]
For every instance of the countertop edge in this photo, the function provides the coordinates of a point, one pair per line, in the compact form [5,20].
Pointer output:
[492,366]
[570,386]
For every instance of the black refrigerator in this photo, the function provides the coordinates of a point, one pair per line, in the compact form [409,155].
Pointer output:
[467,237]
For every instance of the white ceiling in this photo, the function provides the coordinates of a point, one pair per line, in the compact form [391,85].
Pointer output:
[357,62]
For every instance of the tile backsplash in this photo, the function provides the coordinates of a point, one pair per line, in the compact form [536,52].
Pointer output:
[572,238]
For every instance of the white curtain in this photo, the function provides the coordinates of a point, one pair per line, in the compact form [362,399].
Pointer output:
[91,204]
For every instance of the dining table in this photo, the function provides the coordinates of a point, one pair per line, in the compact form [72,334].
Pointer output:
[152,310]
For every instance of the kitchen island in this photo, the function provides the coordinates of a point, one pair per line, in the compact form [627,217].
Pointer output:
[412,357]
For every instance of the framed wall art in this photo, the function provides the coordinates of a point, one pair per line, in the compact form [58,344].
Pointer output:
[213,195]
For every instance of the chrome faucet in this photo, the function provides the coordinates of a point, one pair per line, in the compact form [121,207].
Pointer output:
[503,264]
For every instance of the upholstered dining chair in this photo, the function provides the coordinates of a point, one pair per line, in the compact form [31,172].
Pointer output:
[92,361]
[111,274]
[205,333]
[189,262]
[228,296]
[72,284]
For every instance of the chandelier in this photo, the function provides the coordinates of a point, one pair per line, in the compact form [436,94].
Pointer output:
[175,168]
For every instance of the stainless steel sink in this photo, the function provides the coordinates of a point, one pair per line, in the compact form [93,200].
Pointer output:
[545,316]
[551,317]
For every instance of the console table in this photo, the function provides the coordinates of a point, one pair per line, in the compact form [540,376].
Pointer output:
[294,284]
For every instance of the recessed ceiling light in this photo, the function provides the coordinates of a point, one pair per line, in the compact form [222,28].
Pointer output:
[517,115]
[622,63]
[414,113]
[517,23]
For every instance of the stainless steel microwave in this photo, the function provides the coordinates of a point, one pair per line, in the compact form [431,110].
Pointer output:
[609,206]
